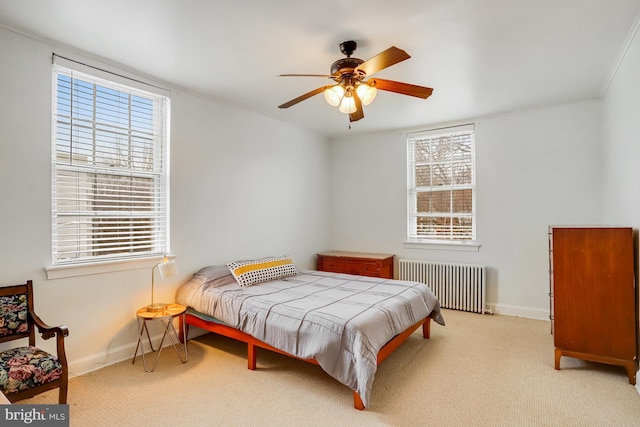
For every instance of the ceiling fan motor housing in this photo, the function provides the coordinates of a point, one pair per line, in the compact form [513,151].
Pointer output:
[345,66]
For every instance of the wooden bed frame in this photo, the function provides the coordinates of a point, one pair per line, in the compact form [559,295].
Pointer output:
[253,343]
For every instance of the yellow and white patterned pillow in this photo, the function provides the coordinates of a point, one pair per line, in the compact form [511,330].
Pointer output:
[250,272]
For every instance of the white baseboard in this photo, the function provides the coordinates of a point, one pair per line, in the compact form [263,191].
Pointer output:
[98,361]
[118,354]
[517,311]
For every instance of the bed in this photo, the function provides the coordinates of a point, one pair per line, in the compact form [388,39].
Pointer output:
[346,324]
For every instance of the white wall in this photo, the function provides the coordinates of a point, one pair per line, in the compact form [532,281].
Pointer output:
[245,186]
[241,186]
[534,169]
[621,149]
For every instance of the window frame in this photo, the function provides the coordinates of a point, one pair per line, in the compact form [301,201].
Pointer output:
[158,176]
[430,242]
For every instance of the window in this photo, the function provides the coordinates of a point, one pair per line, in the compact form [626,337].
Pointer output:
[110,172]
[441,186]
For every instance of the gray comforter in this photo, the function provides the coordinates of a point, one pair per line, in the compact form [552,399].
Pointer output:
[340,320]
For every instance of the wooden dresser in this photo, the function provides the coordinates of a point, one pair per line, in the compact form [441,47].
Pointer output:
[593,295]
[362,264]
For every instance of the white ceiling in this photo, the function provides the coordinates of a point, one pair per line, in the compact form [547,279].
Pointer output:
[482,57]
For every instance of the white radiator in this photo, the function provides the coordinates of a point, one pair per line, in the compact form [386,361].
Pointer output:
[457,286]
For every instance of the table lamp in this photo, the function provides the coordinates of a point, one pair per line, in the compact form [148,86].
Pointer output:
[167,269]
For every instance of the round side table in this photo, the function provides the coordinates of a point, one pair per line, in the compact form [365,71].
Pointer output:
[165,317]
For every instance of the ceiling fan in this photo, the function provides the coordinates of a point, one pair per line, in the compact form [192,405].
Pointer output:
[354,85]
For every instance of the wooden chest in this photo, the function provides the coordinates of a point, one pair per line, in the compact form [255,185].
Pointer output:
[362,264]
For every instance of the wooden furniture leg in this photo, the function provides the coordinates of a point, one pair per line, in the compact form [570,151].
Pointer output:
[631,372]
[426,329]
[357,402]
[251,356]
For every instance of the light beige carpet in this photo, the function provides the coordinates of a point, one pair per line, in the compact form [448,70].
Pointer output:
[476,371]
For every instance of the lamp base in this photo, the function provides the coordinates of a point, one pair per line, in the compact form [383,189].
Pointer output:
[157,307]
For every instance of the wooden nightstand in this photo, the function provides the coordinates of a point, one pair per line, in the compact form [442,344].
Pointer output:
[166,318]
[362,264]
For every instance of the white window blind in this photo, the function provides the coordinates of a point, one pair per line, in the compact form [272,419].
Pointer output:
[110,171]
[441,185]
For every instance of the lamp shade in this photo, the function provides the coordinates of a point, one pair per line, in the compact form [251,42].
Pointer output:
[334,94]
[167,269]
[367,93]
[348,104]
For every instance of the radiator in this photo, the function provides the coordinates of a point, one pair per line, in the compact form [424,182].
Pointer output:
[457,286]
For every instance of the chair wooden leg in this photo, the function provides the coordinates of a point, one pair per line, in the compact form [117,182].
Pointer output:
[64,386]
[62,394]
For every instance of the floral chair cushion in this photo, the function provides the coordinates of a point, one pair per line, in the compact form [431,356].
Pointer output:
[23,368]
[13,315]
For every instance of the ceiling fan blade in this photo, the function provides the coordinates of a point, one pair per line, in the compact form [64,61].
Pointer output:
[384,59]
[359,113]
[307,75]
[303,97]
[402,88]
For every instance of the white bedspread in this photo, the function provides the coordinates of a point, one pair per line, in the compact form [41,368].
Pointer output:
[340,320]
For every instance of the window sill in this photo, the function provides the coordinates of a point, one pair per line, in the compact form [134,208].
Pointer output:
[446,246]
[74,270]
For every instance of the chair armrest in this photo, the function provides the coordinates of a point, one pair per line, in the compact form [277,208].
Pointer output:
[49,331]
[59,332]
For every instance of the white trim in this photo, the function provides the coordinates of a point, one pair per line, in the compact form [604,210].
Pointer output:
[621,55]
[444,245]
[121,353]
[94,69]
[74,270]
[518,311]
[443,131]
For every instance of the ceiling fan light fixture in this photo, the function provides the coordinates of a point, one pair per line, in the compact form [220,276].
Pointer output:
[367,93]
[333,95]
[352,91]
[348,104]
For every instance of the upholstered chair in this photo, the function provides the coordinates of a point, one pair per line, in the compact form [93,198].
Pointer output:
[27,370]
